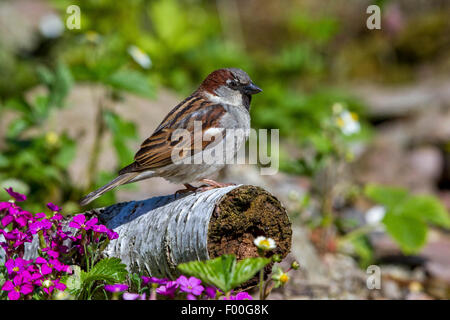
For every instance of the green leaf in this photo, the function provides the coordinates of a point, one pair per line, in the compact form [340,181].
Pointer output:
[247,268]
[16,127]
[388,196]
[427,208]
[132,81]
[409,232]
[111,270]
[73,282]
[59,83]
[223,272]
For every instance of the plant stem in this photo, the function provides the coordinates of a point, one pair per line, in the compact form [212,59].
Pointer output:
[357,232]
[261,284]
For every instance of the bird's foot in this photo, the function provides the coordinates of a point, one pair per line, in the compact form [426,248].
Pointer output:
[211,184]
[188,188]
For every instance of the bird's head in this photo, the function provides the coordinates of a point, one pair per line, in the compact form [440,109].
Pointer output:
[231,85]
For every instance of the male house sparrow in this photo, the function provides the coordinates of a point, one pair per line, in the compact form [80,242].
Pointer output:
[222,102]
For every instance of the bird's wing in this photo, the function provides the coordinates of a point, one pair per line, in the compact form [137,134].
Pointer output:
[157,150]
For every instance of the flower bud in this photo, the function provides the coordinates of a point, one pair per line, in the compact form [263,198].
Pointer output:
[295,265]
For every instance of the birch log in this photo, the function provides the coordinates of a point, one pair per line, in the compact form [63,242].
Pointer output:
[157,234]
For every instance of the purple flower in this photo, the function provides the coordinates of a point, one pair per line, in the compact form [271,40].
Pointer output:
[53,207]
[240,296]
[16,214]
[112,234]
[37,226]
[40,215]
[191,285]
[50,285]
[17,196]
[57,217]
[211,292]
[100,228]
[146,280]
[168,290]
[116,287]
[5,205]
[48,266]
[16,265]
[133,296]
[18,286]
[51,253]
[79,222]
[17,236]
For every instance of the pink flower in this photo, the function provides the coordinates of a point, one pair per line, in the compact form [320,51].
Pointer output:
[191,285]
[18,286]
[211,292]
[16,265]
[37,226]
[168,290]
[240,296]
[17,196]
[50,285]
[53,207]
[57,217]
[17,236]
[79,222]
[112,234]
[16,214]
[116,287]
[146,280]
[133,296]
[100,228]
[51,253]
[48,266]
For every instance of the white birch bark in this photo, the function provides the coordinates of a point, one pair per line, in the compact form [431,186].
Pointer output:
[157,234]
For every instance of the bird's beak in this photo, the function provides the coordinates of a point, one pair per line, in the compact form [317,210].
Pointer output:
[251,88]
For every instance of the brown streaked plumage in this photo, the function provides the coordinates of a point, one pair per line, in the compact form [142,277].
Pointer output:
[221,102]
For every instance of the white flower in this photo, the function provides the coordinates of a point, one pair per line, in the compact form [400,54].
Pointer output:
[140,57]
[375,214]
[51,26]
[348,122]
[264,243]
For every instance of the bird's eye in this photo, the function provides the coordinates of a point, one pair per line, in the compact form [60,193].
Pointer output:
[233,84]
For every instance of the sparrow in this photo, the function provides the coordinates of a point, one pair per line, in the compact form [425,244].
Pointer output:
[221,102]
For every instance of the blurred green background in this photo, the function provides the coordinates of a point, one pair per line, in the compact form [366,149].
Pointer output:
[307,55]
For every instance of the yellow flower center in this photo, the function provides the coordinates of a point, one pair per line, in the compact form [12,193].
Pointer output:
[16,269]
[264,243]
[284,278]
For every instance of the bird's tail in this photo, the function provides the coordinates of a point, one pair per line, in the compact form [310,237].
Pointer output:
[122,179]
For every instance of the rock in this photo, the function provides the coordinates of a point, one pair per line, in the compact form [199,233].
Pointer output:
[392,102]
[391,290]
